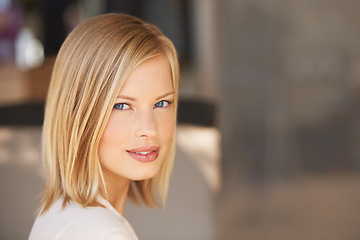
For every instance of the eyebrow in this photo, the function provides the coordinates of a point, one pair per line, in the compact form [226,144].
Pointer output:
[134,99]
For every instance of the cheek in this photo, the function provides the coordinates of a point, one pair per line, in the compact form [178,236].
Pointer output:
[117,127]
[166,127]
[114,136]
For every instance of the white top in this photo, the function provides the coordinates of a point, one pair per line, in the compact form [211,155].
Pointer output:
[76,222]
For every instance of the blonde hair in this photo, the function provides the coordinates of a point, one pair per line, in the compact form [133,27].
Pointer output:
[92,65]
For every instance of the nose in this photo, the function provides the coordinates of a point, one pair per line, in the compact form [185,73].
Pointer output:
[146,127]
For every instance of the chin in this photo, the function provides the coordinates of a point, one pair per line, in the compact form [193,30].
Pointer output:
[142,178]
[148,174]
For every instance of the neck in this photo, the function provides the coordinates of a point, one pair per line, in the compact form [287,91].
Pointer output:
[117,190]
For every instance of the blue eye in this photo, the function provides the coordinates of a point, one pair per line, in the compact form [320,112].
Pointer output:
[162,104]
[121,106]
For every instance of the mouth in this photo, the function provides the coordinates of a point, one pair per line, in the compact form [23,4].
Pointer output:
[145,153]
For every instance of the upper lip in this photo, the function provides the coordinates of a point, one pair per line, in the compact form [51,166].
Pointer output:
[144,149]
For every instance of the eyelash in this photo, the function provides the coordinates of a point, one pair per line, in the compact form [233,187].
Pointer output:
[120,106]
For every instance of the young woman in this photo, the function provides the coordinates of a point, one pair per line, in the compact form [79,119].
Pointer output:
[109,128]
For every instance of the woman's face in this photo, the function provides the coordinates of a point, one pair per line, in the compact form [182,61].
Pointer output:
[138,134]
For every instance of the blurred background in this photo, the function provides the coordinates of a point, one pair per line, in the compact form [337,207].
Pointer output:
[269,123]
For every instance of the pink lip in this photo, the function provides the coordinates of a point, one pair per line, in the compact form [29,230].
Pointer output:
[144,153]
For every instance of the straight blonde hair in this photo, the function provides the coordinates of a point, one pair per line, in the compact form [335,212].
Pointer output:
[92,66]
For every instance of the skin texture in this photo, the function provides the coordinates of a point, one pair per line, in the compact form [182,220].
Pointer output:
[142,120]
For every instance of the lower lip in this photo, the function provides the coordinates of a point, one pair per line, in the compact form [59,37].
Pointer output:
[150,157]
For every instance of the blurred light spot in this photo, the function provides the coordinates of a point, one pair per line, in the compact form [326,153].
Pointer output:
[34,54]
[29,51]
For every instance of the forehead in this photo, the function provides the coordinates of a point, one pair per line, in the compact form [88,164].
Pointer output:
[152,76]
